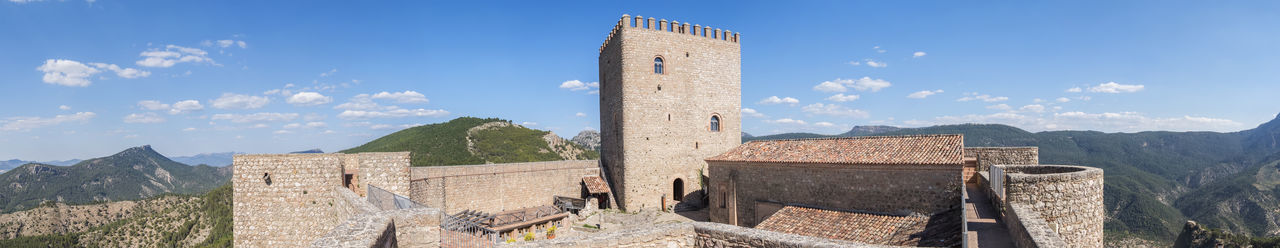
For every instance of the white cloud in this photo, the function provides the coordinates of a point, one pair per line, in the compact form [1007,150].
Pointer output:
[392,113]
[1063,99]
[256,117]
[1036,108]
[189,129]
[329,73]
[173,55]
[878,50]
[751,113]
[787,121]
[407,96]
[308,99]
[580,114]
[316,124]
[282,132]
[868,84]
[182,107]
[824,124]
[575,85]
[528,123]
[67,72]
[923,94]
[861,84]
[143,118]
[983,97]
[830,86]
[122,72]
[777,100]
[1000,107]
[1113,87]
[876,64]
[1106,122]
[841,97]
[292,125]
[855,63]
[28,123]
[918,54]
[1075,90]
[152,105]
[238,101]
[226,43]
[834,110]
[64,107]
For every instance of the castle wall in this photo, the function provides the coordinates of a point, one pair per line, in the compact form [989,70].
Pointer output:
[988,156]
[494,188]
[738,187]
[656,127]
[305,197]
[1068,198]
[693,234]
[296,208]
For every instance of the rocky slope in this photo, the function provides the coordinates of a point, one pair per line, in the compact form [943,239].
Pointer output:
[589,139]
[166,221]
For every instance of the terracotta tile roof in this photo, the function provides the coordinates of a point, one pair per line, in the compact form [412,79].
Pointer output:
[595,184]
[945,149]
[941,229]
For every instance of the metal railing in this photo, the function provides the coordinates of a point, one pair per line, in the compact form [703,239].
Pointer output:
[466,229]
[386,200]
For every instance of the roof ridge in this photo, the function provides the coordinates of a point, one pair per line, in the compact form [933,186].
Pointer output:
[863,137]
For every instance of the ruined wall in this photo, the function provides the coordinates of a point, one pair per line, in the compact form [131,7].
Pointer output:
[737,186]
[1068,198]
[291,211]
[656,127]
[988,156]
[305,197]
[495,188]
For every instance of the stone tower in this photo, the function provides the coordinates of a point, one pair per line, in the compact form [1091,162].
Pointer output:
[670,97]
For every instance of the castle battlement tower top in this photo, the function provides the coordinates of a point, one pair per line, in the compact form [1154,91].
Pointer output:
[670,97]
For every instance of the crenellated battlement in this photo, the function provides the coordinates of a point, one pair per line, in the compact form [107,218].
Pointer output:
[640,22]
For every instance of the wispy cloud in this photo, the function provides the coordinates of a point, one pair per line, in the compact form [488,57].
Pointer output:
[779,100]
[238,101]
[923,94]
[834,110]
[984,97]
[28,123]
[861,84]
[407,96]
[143,118]
[841,97]
[918,54]
[308,99]
[748,112]
[172,55]
[1113,87]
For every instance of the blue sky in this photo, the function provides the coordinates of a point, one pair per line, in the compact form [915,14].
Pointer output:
[81,79]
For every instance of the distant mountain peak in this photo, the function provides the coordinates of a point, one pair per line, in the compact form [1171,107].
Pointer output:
[317,150]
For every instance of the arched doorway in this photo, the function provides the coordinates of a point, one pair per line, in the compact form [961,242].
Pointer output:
[677,190]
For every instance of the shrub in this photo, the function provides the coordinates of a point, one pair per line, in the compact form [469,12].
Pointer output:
[528,236]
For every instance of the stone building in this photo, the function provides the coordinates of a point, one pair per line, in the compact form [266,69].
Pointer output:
[670,96]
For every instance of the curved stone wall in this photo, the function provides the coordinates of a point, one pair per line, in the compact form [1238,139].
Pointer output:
[1068,198]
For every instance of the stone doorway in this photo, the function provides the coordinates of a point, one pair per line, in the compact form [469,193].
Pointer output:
[677,190]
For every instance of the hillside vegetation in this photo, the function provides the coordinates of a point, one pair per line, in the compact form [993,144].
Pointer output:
[179,221]
[1155,181]
[470,140]
[132,174]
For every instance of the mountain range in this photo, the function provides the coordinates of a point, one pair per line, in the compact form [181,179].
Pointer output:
[1155,181]
[135,173]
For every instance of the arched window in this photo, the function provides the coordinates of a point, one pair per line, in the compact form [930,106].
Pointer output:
[657,65]
[715,123]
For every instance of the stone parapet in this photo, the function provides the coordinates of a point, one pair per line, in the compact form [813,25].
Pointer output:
[495,188]
[988,156]
[1069,199]
[694,234]
[1028,230]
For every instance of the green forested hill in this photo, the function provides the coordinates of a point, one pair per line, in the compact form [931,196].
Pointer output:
[199,221]
[134,173]
[456,143]
[1156,180]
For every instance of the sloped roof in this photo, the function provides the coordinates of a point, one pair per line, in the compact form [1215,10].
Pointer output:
[595,184]
[858,227]
[943,149]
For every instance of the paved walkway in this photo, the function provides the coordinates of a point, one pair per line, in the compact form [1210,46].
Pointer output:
[985,227]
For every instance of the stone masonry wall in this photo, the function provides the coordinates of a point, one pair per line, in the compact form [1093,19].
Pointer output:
[656,127]
[988,156]
[495,188]
[736,187]
[1068,198]
[387,170]
[693,234]
[291,211]
[304,196]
